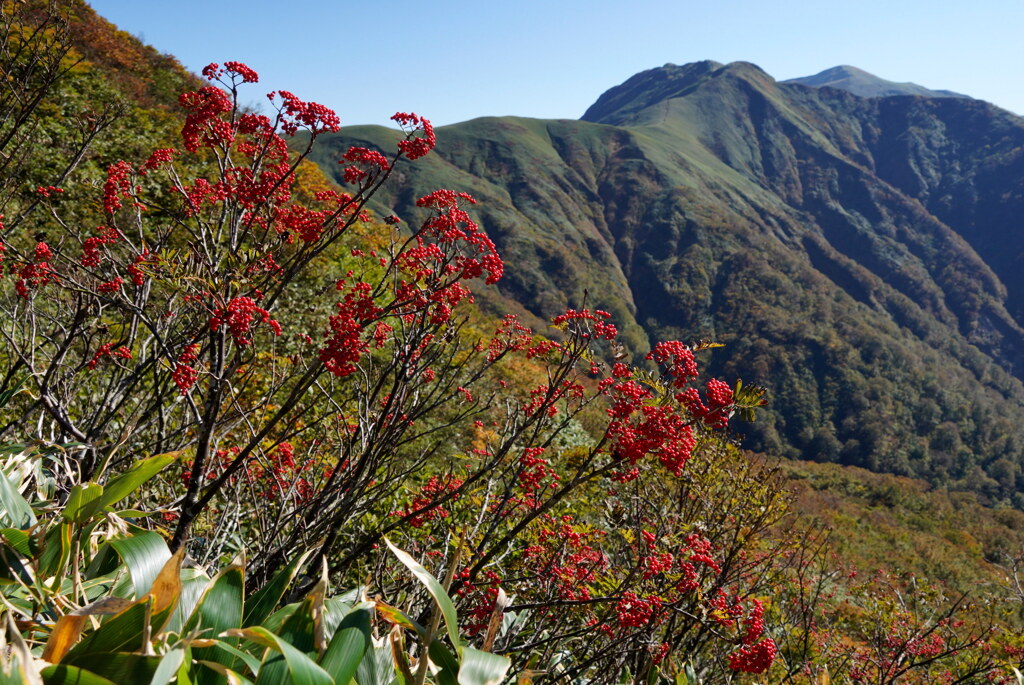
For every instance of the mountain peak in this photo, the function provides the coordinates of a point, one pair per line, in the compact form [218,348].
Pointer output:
[619,104]
[865,84]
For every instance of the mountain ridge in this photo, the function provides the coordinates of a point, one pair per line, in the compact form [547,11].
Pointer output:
[865,84]
[856,254]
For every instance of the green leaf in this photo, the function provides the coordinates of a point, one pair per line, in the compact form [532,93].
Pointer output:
[482,668]
[20,541]
[398,617]
[434,588]
[194,583]
[17,665]
[68,628]
[63,674]
[335,611]
[303,629]
[128,482]
[350,597]
[263,603]
[446,661]
[185,669]
[277,619]
[13,569]
[144,555]
[300,629]
[83,502]
[119,667]
[248,659]
[349,644]
[219,609]
[14,510]
[301,669]
[6,395]
[168,668]
[135,513]
[56,550]
[125,632]
[225,674]
[377,667]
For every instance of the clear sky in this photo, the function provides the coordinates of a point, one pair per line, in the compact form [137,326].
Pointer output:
[456,60]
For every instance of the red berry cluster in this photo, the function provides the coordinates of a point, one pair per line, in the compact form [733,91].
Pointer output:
[510,336]
[91,256]
[345,346]
[534,470]
[480,598]
[588,324]
[158,159]
[243,73]
[639,427]
[37,273]
[107,350]
[756,658]
[184,375]
[42,253]
[719,408]
[635,612]
[294,113]
[118,186]
[241,315]
[366,164]
[145,259]
[415,146]
[566,559]
[203,126]
[434,489]
[452,225]
[111,286]
[678,361]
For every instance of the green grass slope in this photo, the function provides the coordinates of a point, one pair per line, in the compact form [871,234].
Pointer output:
[856,255]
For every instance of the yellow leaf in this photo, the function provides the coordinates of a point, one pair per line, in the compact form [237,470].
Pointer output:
[69,626]
[167,586]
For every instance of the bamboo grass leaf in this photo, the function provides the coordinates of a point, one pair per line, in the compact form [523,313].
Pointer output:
[301,669]
[349,644]
[433,585]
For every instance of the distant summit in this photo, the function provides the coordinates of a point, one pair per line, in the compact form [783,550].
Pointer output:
[860,82]
[648,88]
[641,98]
[647,97]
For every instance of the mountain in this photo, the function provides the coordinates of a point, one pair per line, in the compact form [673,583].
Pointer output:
[860,82]
[860,256]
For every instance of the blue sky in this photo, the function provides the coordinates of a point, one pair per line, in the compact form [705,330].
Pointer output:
[452,61]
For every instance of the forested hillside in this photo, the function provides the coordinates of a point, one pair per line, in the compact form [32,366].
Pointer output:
[857,255]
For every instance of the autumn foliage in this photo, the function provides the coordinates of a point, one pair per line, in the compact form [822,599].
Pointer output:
[325,379]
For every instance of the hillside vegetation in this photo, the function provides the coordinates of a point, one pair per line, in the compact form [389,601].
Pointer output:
[255,432]
[856,255]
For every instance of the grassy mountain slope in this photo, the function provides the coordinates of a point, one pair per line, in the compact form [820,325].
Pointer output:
[856,255]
